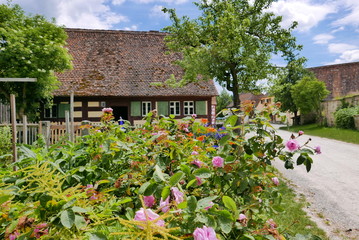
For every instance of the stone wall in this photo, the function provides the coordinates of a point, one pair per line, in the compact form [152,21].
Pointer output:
[330,106]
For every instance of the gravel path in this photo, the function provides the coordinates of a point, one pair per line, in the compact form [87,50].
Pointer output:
[331,187]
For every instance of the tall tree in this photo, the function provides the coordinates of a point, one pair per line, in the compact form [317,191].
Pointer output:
[232,41]
[281,86]
[223,100]
[30,46]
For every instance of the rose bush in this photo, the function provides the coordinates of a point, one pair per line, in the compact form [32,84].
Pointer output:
[167,180]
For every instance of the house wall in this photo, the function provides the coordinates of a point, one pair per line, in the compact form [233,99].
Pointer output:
[90,108]
[329,107]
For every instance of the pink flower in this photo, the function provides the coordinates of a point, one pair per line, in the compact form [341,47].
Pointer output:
[242,217]
[194,115]
[165,205]
[107,110]
[292,145]
[209,206]
[317,150]
[197,162]
[186,130]
[149,201]
[199,181]
[218,161]
[300,133]
[151,216]
[275,180]
[204,233]
[177,194]
[194,153]
[14,235]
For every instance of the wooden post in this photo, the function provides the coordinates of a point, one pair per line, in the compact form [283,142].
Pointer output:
[13,124]
[72,130]
[24,129]
[67,122]
[46,131]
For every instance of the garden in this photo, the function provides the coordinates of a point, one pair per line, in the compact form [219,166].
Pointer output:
[169,179]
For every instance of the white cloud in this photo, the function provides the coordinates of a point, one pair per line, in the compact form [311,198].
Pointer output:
[118,2]
[340,47]
[131,28]
[305,12]
[352,17]
[322,38]
[93,14]
[156,11]
[348,56]
[177,2]
[337,30]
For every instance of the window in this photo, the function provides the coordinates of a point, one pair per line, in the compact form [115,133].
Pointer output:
[175,108]
[146,108]
[188,107]
[51,112]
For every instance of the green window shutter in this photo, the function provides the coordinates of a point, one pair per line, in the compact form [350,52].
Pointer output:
[162,108]
[62,108]
[201,107]
[136,109]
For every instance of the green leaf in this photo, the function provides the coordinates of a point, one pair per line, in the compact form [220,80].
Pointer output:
[182,205]
[225,221]
[159,174]
[192,203]
[231,120]
[229,203]
[165,192]
[205,202]
[79,209]
[67,218]
[308,165]
[190,183]
[97,236]
[143,188]
[80,222]
[125,200]
[203,173]
[176,178]
[185,169]
[301,159]
[69,203]
[150,189]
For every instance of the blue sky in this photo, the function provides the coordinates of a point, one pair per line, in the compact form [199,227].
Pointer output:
[328,29]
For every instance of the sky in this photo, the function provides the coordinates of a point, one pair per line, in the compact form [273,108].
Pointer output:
[328,29]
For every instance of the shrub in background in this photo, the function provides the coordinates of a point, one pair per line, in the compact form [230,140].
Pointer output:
[5,145]
[344,117]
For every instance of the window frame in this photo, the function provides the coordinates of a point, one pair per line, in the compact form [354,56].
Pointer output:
[187,108]
[175,108]
[52,111]
[146,107]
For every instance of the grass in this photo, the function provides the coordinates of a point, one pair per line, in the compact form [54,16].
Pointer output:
[345,135]
[294,220]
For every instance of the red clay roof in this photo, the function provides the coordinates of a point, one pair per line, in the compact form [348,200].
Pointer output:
[122,63]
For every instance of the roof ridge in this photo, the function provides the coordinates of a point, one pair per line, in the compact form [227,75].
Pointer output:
[154,32]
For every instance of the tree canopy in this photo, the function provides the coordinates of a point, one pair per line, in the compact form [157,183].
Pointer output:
[232,41]
[223,100]
[30,46]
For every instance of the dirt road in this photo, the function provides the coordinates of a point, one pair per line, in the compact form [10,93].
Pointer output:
[331,187]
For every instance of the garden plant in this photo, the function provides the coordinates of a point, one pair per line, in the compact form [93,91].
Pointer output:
[169,179]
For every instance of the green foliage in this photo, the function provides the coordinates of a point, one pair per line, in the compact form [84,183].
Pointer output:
[223,100]
[344,117]
[5,145]
[232,42]
[96,188]
[30,46]
[308,93]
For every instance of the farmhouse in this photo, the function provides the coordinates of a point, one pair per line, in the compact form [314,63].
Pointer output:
[117,69]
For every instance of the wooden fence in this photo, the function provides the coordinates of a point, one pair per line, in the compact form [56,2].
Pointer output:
[4,113]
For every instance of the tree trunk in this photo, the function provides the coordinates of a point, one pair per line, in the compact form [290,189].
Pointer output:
[296,119]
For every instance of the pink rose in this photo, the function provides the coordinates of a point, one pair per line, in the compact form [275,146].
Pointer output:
[218,161]
[165,205]
[275,180]
[292,145]
[242,217]
[199,181]
[317,150]
[194,115]
[204,233]
[177,194]
[197,162]
[107,110]
[149,201]
[194,153]
[151,216]
[300,133]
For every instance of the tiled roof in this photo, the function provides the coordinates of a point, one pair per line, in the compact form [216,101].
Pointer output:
[122,63]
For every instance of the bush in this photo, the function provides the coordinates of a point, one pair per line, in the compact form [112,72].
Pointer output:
[5,145]
[344,118]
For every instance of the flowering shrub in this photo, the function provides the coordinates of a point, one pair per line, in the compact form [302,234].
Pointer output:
[167,180]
